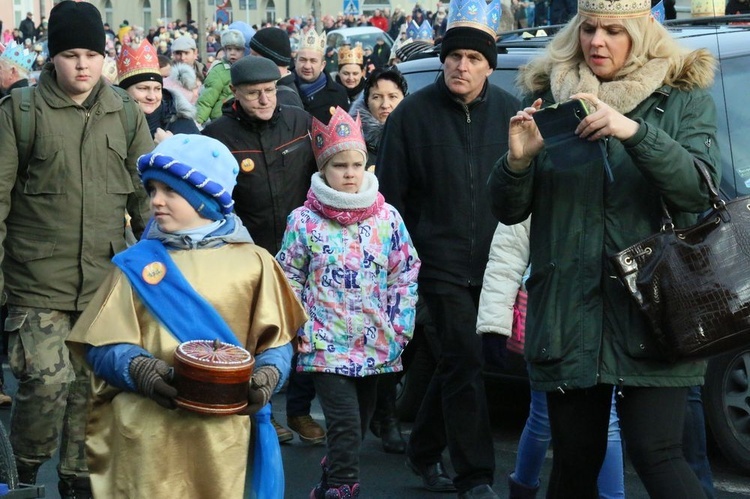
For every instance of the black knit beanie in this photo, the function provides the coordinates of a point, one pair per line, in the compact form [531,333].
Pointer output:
[462,37]
[272,43]
[75,25]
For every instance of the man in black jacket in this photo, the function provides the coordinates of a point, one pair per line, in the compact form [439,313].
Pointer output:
[272,148]
[433,167]
[320,94]
[27,27]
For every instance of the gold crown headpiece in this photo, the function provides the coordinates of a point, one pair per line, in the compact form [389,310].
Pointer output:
[619,9]
[351,55]
[313,41]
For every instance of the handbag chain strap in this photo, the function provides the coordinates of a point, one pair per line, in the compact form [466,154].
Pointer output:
[666,222]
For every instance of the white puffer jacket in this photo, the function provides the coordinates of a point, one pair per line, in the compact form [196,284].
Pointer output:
[508,260]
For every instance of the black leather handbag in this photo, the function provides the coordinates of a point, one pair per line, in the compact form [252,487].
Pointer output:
[693,284]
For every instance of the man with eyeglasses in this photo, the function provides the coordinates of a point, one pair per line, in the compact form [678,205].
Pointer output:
[272,147]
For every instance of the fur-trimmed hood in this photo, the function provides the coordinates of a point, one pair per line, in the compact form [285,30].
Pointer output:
[372,129]
[183,79]
[184,75]
[177,106]
[694,69]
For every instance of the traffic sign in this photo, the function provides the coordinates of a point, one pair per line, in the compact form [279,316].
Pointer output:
[351,7]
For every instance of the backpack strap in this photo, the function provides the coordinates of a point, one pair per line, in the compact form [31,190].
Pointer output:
[24,122]
[127,114]
[24,119]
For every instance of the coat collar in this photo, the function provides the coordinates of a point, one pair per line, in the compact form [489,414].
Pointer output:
[56,98]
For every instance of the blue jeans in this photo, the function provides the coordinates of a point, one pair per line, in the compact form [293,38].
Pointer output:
[535,440]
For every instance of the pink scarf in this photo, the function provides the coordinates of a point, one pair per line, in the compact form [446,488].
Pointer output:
[343,216]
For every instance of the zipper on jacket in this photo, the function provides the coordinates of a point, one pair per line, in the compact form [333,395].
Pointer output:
[604,146]
[292,148]
[469,145]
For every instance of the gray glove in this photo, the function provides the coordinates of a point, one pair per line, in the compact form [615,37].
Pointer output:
[151,376]
[262,385]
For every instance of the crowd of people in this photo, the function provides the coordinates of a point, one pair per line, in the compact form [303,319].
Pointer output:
[305,208]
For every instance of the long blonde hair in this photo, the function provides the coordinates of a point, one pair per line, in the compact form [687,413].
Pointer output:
[650,40]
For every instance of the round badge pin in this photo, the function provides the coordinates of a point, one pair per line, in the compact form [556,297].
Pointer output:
[247,165]
[154,272]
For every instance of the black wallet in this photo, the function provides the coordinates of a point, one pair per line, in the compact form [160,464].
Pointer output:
[557,124]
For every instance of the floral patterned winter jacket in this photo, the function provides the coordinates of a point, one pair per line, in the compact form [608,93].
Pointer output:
[352,264]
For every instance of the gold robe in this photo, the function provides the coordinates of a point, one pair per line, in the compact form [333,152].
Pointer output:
[135,447]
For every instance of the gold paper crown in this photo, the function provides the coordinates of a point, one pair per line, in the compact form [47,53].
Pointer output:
[351,56]
[313,41]
[620,9]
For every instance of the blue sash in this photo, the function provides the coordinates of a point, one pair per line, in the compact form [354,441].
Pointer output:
[160,284]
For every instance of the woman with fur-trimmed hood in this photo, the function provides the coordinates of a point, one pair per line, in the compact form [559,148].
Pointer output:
[650,116]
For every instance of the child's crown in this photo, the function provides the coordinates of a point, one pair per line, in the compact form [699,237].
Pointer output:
[342,133]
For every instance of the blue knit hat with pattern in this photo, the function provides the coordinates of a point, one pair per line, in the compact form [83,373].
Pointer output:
[201,169]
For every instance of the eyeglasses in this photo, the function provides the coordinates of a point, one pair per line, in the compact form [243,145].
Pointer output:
[255,94]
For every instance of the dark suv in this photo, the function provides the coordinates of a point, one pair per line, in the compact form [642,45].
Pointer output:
[726,394]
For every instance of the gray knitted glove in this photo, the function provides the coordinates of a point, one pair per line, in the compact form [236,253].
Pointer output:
[151,376]
[262,385]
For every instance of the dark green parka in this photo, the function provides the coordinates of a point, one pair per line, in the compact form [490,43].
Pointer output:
[582,326]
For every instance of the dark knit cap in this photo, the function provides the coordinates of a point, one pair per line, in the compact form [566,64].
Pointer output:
[466,38]
[272,43]
[254,69]
[75,25]
[140,77]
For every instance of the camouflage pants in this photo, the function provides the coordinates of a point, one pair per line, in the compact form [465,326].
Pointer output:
[50,408]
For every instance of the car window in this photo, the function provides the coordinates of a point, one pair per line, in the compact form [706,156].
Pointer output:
[735,148]
[366,39]
[506,79]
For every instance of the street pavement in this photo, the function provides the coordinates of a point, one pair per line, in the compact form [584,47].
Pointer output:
[384,476]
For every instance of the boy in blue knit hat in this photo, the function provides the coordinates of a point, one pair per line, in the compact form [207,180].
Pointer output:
[195,275]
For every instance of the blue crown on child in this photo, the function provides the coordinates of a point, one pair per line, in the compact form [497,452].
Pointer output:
[18,55]
[417,32]
[476,14]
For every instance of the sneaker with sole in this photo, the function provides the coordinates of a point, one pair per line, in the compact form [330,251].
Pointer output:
[308,430]
[283,434]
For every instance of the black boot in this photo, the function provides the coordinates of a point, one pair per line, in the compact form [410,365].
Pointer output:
[27,473]
[75,488]
[390,429]
[521,491]
[393,441]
